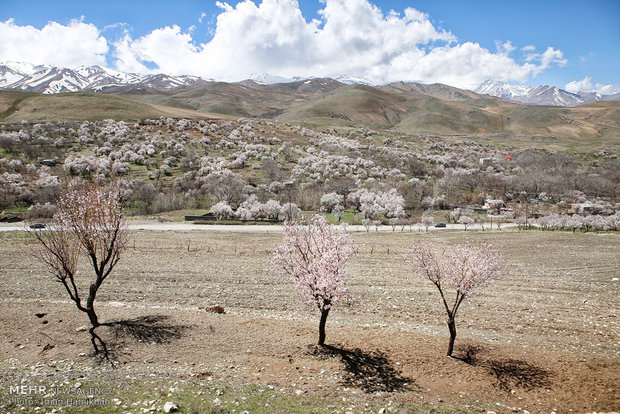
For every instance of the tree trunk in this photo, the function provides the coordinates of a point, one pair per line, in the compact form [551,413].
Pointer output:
[452,328]
[90,305]
[94,320]
[324,313]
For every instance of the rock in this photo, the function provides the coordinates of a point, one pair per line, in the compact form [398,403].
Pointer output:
[215,309]
[217,401]
[114,304]
[170,407]
[81,329]
[298,392]
[381,411]
[614,279]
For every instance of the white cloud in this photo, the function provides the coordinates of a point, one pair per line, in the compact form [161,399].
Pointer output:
[351,37]
[504,48]
[585,85]
[72,45]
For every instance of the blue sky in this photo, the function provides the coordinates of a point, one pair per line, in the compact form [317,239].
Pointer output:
[554,42]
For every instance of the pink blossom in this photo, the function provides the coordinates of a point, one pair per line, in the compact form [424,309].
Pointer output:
[314,255]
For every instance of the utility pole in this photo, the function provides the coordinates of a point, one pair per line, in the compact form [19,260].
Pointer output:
[288,186]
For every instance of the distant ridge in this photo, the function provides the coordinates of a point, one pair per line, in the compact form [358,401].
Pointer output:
[49,79]
[540,95]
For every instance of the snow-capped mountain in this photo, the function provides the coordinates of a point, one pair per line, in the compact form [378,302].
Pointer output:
[269,79]
[354,80]
[51,79]
[539,95]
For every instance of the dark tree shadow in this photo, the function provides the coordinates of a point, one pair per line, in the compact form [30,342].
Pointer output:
[151,328]
[369,371]
[510,373]
[470,354]
[102,351]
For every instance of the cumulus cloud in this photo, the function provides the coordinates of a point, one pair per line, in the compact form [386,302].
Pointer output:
[350,38]
[72,45]
[585,85]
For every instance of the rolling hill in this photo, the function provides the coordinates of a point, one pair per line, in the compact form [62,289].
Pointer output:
[17,106]
[27,106]
[402,107]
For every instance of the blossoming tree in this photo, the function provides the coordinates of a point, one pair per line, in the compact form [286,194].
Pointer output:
[314,255]
[466,221]
[466,269]
[222,210]
[88,221]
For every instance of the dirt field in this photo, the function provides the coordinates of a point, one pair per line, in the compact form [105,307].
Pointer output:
[546,338]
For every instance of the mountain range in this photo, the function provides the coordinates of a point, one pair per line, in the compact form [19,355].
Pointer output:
[51,79]
[540,95]
[400,107]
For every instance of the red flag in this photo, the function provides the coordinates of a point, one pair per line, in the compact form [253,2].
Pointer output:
[507,156]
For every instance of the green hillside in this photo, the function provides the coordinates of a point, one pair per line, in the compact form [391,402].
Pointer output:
[20,106]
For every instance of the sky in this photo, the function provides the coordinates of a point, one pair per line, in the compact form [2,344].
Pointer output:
[574,45]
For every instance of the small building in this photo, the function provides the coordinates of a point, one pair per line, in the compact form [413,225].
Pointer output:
[580,208]
[485,162]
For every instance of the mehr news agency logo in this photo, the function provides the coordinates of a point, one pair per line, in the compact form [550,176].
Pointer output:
[30,395]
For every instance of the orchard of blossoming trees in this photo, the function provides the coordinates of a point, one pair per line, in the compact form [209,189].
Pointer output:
[242,167]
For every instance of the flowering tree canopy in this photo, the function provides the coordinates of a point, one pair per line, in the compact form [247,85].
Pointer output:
[428,221]
[222,210]
[313,255]
[331,201]
[465,269]
[466,221]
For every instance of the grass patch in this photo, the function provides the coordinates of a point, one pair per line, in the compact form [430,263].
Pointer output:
[205,395]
